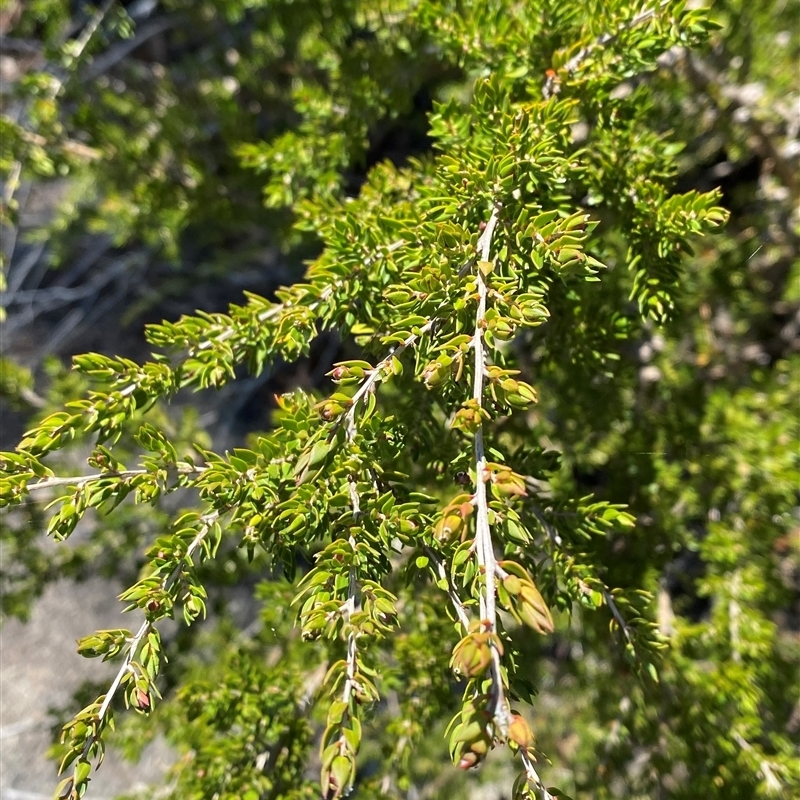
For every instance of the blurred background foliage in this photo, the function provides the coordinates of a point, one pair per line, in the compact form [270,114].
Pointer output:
[154,158]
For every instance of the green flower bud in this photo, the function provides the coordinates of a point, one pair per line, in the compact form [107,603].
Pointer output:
[532,609]
[435,373]
[472,655]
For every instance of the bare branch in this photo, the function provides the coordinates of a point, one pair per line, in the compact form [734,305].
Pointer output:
[772,781]
[112,57]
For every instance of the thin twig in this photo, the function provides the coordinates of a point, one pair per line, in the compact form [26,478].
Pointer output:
[609,600]
[352,594]
[86,36]
[350,433]
[556,541]
[12,183]
[145,32]
[705,79]
[551,532]
[533,775]
[455,600]
[374,375]
[280,308]
[112,690]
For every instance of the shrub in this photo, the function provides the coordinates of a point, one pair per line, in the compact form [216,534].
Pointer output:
[420,536]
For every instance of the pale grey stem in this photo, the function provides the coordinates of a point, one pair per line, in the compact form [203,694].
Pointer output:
[82,480]
[483,536]
[552,534]
[144,32]
[86,36]
[12,183]
[484,548]
[375,374]
[772,781]
[352,589]
[556,541]
[112,690]
[350,428]
[533,776]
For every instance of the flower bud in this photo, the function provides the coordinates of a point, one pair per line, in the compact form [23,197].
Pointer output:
[329,409]
[434,374]
[467,420]
[519,731]
[472,655]
[142,700]
[509,385]
[507,483]
[468,761]
[448,528]
[502,329]
[532,609]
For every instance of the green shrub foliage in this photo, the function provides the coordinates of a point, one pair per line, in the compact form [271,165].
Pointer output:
[425,556]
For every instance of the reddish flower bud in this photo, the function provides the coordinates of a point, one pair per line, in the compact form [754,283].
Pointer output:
[142,700]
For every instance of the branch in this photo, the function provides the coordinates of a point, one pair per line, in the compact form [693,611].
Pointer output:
[352,594]
[608,38]
[90,30]
[374,375]
[707,80]
[617,614]
[772,781]
[112,57]
[601,41]
[484,548]
[82,480]
[92,738]
[280,308]
[556,541]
